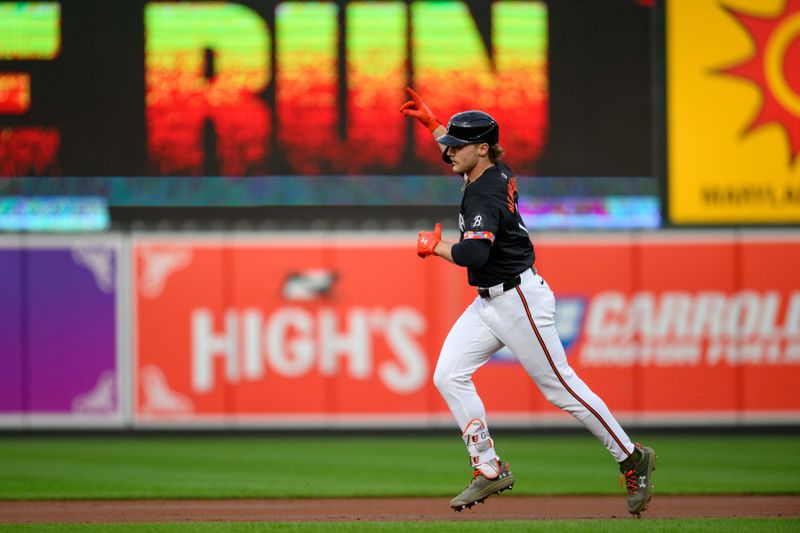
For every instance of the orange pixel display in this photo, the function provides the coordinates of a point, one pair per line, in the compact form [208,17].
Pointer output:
[30,32]
[217,104]
[15,93]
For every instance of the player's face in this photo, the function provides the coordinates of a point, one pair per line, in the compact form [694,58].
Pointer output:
[465,158]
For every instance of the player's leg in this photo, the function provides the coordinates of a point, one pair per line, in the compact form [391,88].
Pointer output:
[526,325]
[528,329]
[468,346]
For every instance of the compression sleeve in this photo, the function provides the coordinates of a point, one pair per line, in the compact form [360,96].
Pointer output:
[472,253]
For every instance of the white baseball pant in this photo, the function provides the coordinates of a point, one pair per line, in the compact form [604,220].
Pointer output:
[523,319]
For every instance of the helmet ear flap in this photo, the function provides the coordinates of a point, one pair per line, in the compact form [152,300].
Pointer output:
[446,156]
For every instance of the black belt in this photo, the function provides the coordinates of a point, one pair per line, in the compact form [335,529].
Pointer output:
[507,286]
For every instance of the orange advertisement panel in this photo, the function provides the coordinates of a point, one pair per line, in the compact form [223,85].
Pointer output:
[581,270]
[301,330]
[288,330]
[769,354]
[733,111]
[680,282]
[169,277]
[707,326]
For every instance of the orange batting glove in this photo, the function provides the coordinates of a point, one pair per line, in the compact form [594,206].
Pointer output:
[416,108]
[427,241]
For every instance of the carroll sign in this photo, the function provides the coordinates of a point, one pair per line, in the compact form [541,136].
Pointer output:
[684,328]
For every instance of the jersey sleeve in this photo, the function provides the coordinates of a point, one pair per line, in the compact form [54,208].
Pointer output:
[472,253]
[481,219]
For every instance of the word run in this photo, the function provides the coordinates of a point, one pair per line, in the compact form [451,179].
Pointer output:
[293,342]
[288,87]
[688,329]
[200,76]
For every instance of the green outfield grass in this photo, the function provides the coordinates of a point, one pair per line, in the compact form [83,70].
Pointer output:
[248,466]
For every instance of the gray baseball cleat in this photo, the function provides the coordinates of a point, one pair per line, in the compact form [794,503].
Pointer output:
[482,487]
[639,481]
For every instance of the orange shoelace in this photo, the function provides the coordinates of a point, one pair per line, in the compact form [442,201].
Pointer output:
[630,481]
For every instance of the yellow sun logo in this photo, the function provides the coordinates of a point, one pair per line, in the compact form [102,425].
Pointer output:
[775,69]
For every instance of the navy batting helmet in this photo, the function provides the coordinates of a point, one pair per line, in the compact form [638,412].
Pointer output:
[469,127]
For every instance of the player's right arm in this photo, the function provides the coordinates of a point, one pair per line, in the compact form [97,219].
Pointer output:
[416,108]
[471,253]
[481,224]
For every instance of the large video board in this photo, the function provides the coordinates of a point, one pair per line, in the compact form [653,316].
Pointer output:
[254,88]
[261,88]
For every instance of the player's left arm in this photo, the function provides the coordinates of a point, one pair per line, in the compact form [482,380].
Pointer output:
[445,250]
[430,242]
[469,253]
[482,223]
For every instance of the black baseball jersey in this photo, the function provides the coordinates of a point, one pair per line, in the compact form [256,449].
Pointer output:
[489,210]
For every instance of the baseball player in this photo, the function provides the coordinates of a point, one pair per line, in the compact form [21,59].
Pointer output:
[514,307]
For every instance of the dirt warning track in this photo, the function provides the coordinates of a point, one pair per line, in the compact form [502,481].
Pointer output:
[390,509]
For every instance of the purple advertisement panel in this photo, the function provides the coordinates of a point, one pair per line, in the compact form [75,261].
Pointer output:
[71,330]
[11,376]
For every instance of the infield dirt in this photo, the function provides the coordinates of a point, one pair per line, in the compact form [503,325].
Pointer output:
[390,509]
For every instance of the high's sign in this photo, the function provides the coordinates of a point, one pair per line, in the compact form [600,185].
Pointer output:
[269,328]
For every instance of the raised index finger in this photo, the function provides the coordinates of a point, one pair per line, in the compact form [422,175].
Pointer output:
[413,94]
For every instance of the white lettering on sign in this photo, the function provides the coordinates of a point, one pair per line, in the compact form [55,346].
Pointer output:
[289,342]
[680,328]
[293,342]
[206,344]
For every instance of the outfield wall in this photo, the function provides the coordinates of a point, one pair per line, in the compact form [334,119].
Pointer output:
[61,341]
[343,330]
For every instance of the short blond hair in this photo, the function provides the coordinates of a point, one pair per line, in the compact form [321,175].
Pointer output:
[495,152]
